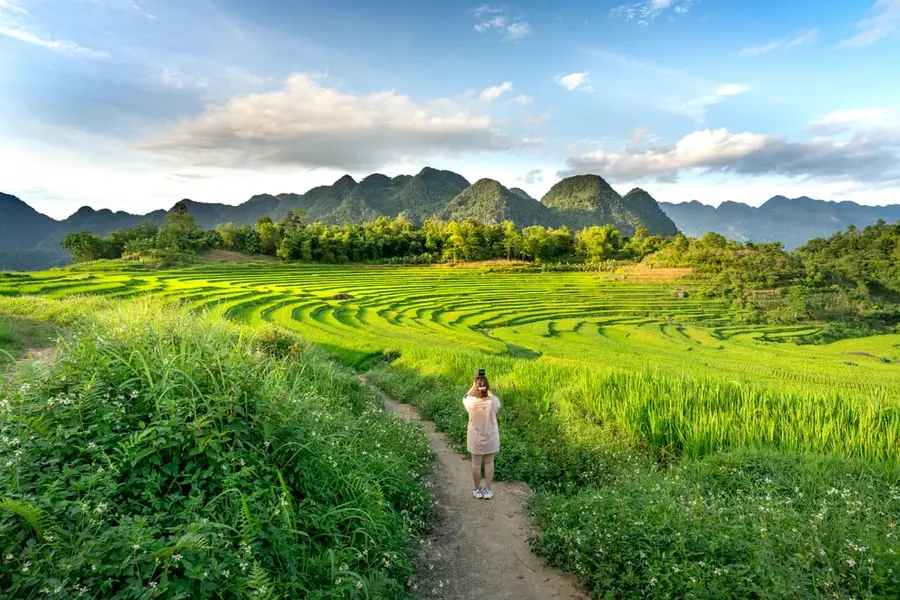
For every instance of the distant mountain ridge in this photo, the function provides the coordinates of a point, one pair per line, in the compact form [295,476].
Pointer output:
[790,221]
[30,240]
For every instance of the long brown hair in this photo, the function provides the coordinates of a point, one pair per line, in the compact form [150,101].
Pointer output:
[480,388]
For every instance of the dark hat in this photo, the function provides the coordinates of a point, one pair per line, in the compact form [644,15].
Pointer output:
[479,373]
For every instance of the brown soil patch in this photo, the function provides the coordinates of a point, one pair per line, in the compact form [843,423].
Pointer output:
[646,273]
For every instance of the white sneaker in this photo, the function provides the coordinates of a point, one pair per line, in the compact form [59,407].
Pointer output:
[479,493]
[487,494]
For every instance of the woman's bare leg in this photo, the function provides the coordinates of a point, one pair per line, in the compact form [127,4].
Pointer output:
[488,470]
[476,470]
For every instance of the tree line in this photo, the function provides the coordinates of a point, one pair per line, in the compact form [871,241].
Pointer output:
[293,238]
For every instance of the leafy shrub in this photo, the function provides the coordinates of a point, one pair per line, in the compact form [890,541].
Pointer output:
[604,266]
[169,455]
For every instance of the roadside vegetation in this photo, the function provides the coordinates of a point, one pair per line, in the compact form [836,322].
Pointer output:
[175,455]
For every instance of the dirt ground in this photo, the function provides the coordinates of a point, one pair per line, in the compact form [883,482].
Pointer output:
[478,548]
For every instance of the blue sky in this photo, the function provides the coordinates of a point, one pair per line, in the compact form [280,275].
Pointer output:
[134,104]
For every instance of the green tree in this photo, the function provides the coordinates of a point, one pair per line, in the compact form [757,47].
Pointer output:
[229,234]
[181,232]
[83,246]
[512,240]
[597,243]
[269,235]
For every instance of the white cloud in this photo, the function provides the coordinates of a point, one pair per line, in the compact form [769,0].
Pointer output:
[871,155]
[493,18]
[697,107]
[532,177]
[840,121]
[521,100]
[574,81]
[123,5]
[180,80]
[312,126]
[51,44]
[855,115]
[532,142]
[646,10]
[13,26]
[885,23]
[799,39]
[492,93]
[12,6]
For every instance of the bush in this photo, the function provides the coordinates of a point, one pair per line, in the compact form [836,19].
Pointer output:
[169,455]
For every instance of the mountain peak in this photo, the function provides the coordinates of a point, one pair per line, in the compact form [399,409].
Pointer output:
[585,200]
[345,181]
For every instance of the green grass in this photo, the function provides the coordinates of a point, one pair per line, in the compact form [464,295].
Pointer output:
[621,400]
[175,455]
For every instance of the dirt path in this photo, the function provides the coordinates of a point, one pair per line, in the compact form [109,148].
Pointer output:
[478,548]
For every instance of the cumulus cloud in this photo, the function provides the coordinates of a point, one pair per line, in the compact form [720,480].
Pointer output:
[870,156]
[492,93]
[798,39]
[521,100]
[493,18]
[885,23]
[307,125]
[646,10]
[575,81]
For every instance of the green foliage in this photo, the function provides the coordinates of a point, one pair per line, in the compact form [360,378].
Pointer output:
[181,458]
[732,526]
[489,202]
[83,246]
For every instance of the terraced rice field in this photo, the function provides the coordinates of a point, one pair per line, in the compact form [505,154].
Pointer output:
[573,317]
[671,370]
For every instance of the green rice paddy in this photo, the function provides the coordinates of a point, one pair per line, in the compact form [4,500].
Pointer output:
[671,371]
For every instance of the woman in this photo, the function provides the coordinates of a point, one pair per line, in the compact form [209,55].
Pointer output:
[483,439]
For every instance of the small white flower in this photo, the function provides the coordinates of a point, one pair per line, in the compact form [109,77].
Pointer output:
[135,546]
[153,584]
[176,557]
[851,562]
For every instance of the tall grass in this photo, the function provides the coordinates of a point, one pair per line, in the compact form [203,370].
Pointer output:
[166,454]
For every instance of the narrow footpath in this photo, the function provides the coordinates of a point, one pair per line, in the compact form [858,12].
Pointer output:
[478,548]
